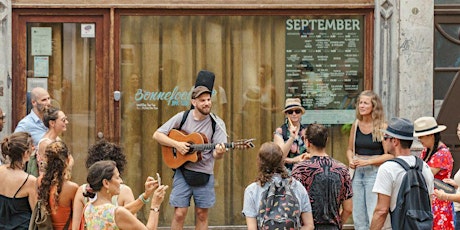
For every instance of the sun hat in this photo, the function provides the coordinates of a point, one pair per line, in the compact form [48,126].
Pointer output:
[400,128]
[424,126]
[293,103]
[200,90]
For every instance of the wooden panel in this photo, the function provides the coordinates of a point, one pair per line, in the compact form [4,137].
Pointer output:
[195,4]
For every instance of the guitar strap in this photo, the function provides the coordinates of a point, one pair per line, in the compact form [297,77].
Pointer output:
[184,118]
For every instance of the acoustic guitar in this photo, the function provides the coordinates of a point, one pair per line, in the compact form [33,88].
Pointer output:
[198,143]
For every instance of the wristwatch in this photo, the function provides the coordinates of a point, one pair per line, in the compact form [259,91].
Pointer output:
[155,209]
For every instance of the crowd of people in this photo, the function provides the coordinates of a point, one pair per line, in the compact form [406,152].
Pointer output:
[37,165]
[323,191]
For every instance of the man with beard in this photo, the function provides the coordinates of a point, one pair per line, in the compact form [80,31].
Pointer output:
[33,122]
[198,120]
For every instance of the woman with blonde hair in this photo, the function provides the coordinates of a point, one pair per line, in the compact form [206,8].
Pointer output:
[105,181]
[56,191]
[18,190]
[365,154]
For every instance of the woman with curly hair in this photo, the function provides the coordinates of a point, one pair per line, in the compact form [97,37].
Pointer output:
[105,181]
[271,169]
[104,150]
[56,122]
[18,193]
[365,154]
[56,190]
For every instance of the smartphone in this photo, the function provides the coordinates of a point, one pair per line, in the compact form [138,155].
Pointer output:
[158,179]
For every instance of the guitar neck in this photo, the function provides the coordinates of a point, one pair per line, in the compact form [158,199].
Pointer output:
[202,147]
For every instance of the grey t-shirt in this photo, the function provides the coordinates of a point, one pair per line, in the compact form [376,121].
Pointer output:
[253,195]
[204,126]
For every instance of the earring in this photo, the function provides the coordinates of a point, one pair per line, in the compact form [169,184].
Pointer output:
[108,191]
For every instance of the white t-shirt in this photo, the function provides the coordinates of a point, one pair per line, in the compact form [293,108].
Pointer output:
[390,176]
[389,179]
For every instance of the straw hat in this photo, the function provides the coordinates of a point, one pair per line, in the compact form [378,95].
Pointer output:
[427,125]
[293,103]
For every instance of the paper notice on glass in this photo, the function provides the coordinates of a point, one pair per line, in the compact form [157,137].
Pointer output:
[37,82]
[41,66]
[41,41]
[88,30]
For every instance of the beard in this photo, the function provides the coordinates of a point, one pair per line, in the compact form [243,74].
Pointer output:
[41,107]
[204,111]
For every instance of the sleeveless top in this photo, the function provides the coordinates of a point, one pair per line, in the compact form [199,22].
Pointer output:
[366,146]
[100,217]
[59,214]
[15,212]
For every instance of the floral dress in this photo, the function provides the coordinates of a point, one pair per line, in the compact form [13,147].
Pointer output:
[101,217]
[442,210]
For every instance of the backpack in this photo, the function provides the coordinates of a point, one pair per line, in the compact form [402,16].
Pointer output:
[184,118]
[278,207]
[413,208]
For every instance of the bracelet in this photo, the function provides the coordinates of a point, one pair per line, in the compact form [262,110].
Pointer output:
[155,209]
[141,197]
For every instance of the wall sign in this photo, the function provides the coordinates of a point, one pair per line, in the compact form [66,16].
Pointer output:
[324,66]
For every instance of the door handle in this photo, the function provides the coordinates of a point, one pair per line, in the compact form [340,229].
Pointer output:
[100,135]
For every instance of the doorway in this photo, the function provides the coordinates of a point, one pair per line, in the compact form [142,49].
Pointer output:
[63,52]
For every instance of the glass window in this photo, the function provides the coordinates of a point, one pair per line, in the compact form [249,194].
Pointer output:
[62,60]
[160,57]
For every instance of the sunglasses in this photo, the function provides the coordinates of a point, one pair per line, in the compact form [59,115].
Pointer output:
[298,111]
[385,137]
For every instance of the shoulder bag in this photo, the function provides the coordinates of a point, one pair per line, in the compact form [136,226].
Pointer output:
[41,218]
[350,170]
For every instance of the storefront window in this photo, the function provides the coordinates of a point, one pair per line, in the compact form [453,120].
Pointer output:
[160,57]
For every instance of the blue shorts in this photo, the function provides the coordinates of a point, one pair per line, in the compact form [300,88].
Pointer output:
[203,196]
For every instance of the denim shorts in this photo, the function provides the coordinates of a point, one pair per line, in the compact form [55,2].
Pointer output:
[181,194]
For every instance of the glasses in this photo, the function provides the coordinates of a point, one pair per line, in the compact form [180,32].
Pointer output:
[385,137]
[298,111]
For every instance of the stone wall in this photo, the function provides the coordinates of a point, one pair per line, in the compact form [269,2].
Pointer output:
[5,63]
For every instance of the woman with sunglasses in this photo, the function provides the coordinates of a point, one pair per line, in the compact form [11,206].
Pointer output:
[56,122]
[289,135]
[365,154]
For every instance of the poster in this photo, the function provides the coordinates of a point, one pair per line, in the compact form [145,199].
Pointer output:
[41,41]
[41,66]
[324,66]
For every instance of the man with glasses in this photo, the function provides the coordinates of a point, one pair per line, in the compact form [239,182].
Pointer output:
[33,122]
[398,139]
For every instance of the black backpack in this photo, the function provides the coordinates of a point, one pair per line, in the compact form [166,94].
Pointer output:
[278,207]
[413,208]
